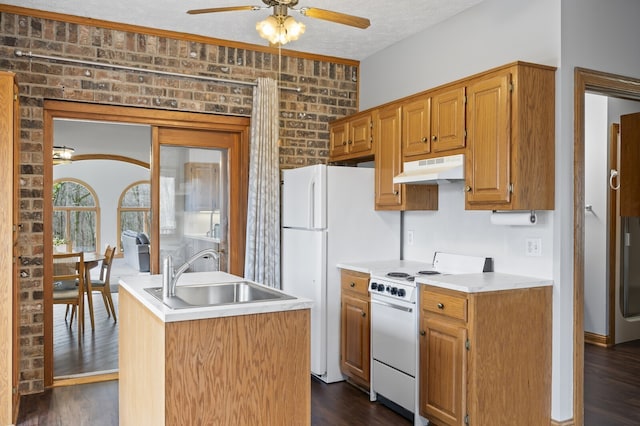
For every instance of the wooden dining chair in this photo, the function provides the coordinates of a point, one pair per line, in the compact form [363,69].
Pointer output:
[68,284]
[102,286]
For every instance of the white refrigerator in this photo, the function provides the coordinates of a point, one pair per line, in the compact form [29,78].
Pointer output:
[328,217]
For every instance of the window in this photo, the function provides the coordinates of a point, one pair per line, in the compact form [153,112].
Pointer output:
[75,214]
[134,209]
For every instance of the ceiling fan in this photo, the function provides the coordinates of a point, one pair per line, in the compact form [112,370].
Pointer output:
[280,28]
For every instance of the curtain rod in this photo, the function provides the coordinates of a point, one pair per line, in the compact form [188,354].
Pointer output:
[20,54]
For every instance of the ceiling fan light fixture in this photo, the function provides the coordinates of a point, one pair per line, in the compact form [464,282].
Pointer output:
[62,154]
[280,29]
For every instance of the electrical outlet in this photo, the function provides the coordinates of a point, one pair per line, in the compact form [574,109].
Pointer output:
[534,247]
[410,237]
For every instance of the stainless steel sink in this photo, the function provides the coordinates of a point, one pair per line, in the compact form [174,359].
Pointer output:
[217,294]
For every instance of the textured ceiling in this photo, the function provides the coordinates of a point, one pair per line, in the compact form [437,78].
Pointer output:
[391,20]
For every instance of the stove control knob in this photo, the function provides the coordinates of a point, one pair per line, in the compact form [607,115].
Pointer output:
[394,290]
[401,292]
[380,287]
[374,286]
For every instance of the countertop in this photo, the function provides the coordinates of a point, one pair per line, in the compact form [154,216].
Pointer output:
[136,284]
[381,267]
[483,282]
[467,283]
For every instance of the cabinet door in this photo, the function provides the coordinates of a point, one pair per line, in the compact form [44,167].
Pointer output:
[443,361]
[360,135]
[354,353]
[338,136]
[488,165]
[447,120]
[386,128]
[203,181]
[416,125]
[629,173]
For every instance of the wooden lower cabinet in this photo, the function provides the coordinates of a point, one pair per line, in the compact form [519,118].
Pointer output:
[355,324]
[485,358]
[237,370]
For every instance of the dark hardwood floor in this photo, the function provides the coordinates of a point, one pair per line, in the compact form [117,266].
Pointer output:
[98,348]
[96,404]
[612,385]
[612,398]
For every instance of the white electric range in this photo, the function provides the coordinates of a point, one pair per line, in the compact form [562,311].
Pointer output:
[394,323]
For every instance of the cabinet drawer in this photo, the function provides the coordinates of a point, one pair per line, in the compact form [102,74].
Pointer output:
[451,305]
[355,281]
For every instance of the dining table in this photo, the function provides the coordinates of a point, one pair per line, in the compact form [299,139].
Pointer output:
[91,260]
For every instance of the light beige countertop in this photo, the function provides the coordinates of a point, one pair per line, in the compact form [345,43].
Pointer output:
[483,282]
[136,284]
[381,267]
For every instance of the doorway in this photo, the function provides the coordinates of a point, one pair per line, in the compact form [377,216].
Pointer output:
[609,85]
[163,124]
[612,223]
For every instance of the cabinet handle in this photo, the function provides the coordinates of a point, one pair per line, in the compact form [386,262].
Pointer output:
[395,193]
[423,333]
[467,188]
[364,314]
[425,139]
[344,143]
[434,138]
[350,142]
[440,305]
[352,284]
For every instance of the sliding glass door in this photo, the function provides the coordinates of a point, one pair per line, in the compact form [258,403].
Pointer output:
[198,196]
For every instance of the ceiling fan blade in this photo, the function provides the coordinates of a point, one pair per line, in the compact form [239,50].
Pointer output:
[340,18]
[222,9]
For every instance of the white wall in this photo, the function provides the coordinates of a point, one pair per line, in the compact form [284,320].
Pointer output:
[569,33]
[595,222]
[108,179]
[490,34]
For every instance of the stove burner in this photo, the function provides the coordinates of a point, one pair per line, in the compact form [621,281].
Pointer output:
[428,272]
[411,278]
[397,274]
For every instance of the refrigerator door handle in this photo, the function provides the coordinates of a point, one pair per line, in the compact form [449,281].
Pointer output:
[312,203]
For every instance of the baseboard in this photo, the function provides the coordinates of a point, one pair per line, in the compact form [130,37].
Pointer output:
[597,339]
[562,423]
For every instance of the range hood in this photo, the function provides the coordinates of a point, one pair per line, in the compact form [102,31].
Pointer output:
[432,170]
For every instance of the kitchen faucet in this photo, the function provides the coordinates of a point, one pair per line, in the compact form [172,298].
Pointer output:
[170,277]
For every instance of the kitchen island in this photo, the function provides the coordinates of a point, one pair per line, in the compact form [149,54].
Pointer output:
[244,363]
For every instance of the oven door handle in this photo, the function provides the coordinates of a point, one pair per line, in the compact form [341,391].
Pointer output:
[392,305]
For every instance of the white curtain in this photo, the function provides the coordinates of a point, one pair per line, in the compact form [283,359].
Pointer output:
[262,256]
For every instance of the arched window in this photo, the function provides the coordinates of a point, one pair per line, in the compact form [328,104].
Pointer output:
[134,209]
[75,214]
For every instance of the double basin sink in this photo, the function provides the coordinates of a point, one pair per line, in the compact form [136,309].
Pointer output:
[206,295]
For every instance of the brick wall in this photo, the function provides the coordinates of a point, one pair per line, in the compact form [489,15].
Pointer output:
[328,91]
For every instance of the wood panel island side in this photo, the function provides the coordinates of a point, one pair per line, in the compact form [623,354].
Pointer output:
[240,364]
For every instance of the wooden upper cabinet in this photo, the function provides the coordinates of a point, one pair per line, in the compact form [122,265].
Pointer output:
[387,131]
[448,119]
[350,138]
[629,172]
[416,127]
[510,162]
[203,181]
[434,123]
[489,129]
